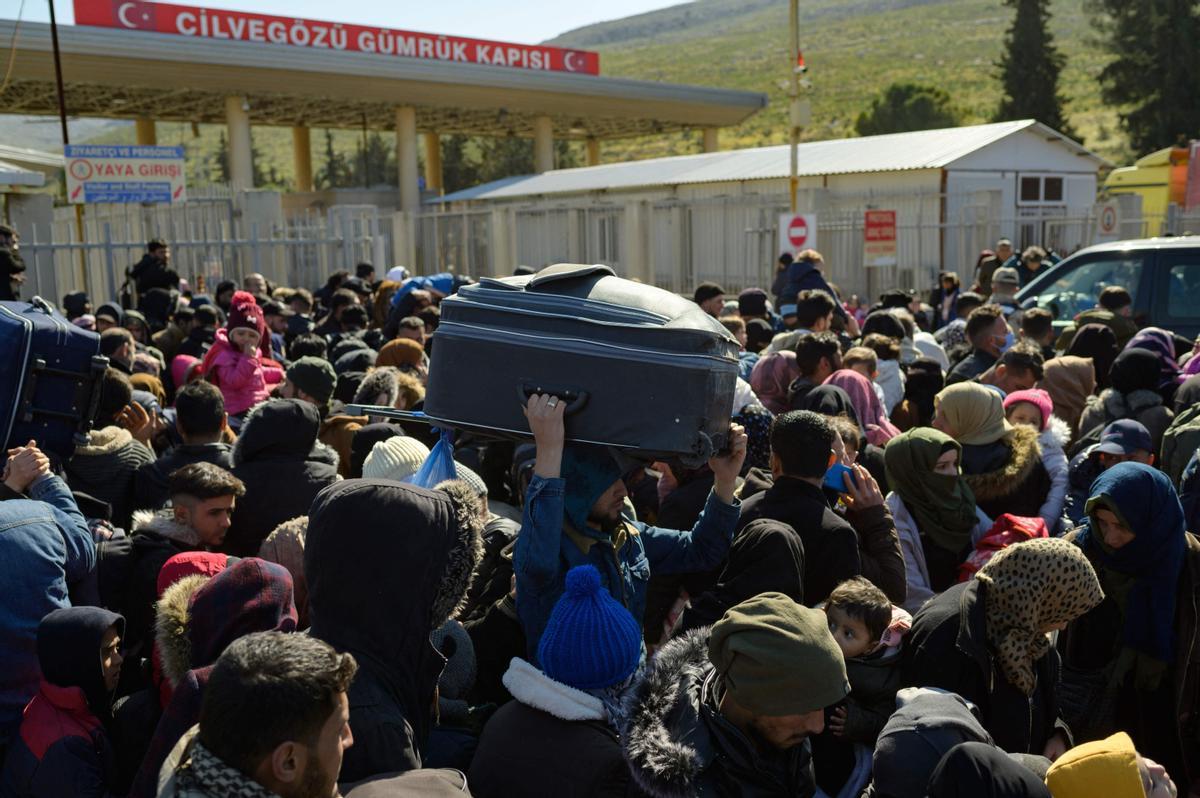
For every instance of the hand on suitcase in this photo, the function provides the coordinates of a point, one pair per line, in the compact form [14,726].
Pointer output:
[545,415]
[25,464]
[728,466]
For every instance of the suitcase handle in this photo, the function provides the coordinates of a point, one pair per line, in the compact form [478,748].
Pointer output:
[574,398]
[567,271]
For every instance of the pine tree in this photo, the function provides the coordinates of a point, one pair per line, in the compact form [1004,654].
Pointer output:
[1155,71]
[1029,68]
[907,106]
[222,170]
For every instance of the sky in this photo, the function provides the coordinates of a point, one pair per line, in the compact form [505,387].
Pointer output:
[521,22]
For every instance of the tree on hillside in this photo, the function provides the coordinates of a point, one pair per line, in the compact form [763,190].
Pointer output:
[1029,68]
[1155,71]
[907,106]
[335,172]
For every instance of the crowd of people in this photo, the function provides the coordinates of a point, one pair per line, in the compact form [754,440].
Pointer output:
[946,553]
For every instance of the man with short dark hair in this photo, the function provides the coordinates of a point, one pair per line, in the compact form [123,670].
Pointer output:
[412,327]
[170,338]
[989,336]
[814,311]
[255,285]
[711,298]
[1018,369]
[1037,327]
[307,345]
[341,299]
[801,452]
[201,421]
[301,303]
[118,346]
[202,500]
[365,272]
[817,356]
[277,315]
[154,269]
[1115,312]
[202,334]
[275,721]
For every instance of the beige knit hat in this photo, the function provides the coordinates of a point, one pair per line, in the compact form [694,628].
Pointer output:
[396,459]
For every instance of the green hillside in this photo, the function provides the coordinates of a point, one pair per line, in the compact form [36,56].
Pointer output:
[854,49]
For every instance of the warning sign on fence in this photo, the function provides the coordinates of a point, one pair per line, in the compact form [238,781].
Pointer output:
[879,238]
[124,173]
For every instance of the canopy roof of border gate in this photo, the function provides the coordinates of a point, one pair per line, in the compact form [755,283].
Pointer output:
[124,74]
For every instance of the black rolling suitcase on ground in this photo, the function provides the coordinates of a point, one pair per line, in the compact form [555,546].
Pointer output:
[50,374]
[641,369]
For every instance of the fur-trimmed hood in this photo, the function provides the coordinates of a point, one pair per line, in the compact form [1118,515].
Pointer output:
[1117,405]
[1024,455]
[282,429]
[1058,432]
[198,616]
[667,743]
[105,440]
[163,524]
[380,387]
[537,690]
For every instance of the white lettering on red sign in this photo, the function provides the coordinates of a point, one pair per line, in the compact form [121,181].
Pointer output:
[212,23]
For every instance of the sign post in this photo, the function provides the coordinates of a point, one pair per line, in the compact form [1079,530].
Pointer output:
[797,232]
[879,238]
[124,173]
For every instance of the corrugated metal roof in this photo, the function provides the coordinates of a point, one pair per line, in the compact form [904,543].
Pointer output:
[895,152]
[24,155]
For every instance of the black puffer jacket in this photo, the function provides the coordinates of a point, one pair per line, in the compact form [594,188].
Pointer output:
[677,743]
[284,467]
[386,564]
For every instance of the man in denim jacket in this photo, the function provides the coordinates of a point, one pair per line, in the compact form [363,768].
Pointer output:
[47,557]
[574,515]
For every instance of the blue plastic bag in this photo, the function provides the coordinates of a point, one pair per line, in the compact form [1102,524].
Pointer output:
[439,466]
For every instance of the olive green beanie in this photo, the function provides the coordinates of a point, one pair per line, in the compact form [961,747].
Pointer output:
[778,657]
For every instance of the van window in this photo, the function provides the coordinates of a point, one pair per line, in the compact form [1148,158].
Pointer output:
[1079,289]
[1183,285]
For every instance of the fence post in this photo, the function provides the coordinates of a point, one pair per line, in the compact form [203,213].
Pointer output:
[256,256]
[108,260]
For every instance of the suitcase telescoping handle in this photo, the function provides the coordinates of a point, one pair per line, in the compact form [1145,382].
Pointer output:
[574,397]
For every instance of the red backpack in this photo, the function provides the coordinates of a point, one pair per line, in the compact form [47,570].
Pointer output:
[1007,530]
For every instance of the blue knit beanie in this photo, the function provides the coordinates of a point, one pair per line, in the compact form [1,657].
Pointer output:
[588,471]
[591,641]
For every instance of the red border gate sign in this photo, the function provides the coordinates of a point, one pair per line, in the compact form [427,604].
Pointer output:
[215,23]
[879,238]
[797,232]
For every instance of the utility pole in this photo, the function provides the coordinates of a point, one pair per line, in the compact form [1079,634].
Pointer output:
[799,111]
[66,137]
[793,96]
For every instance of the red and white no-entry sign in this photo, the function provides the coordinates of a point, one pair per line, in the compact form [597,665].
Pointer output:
[797,232]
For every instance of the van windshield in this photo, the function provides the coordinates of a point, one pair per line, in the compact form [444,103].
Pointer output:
[1078,288]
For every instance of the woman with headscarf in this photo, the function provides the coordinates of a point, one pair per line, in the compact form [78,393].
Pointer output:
[1162,344]
[925,381]
[771,377]
[1132,663]
[1070,381]
[987,640]
[1099,343]
[1135,378]
[867,407]
[934,510]
[1002,463]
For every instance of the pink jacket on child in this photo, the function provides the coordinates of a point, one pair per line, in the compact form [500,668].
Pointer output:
[243,380]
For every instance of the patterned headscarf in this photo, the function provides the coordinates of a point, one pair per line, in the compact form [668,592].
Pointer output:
[1032,586]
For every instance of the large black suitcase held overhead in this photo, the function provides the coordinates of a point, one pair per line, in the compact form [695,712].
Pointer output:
[50,377]
[641,369]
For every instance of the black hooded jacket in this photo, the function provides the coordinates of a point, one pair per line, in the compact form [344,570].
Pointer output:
[63,747]
[386,564]
[283,466]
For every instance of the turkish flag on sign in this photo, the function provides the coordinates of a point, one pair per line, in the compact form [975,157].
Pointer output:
[125,14]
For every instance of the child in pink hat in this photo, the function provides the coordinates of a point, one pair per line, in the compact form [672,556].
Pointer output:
[1035,408]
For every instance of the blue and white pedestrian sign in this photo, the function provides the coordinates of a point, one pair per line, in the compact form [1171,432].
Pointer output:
[124,173]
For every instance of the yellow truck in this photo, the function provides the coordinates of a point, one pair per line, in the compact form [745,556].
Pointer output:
[1161,178]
